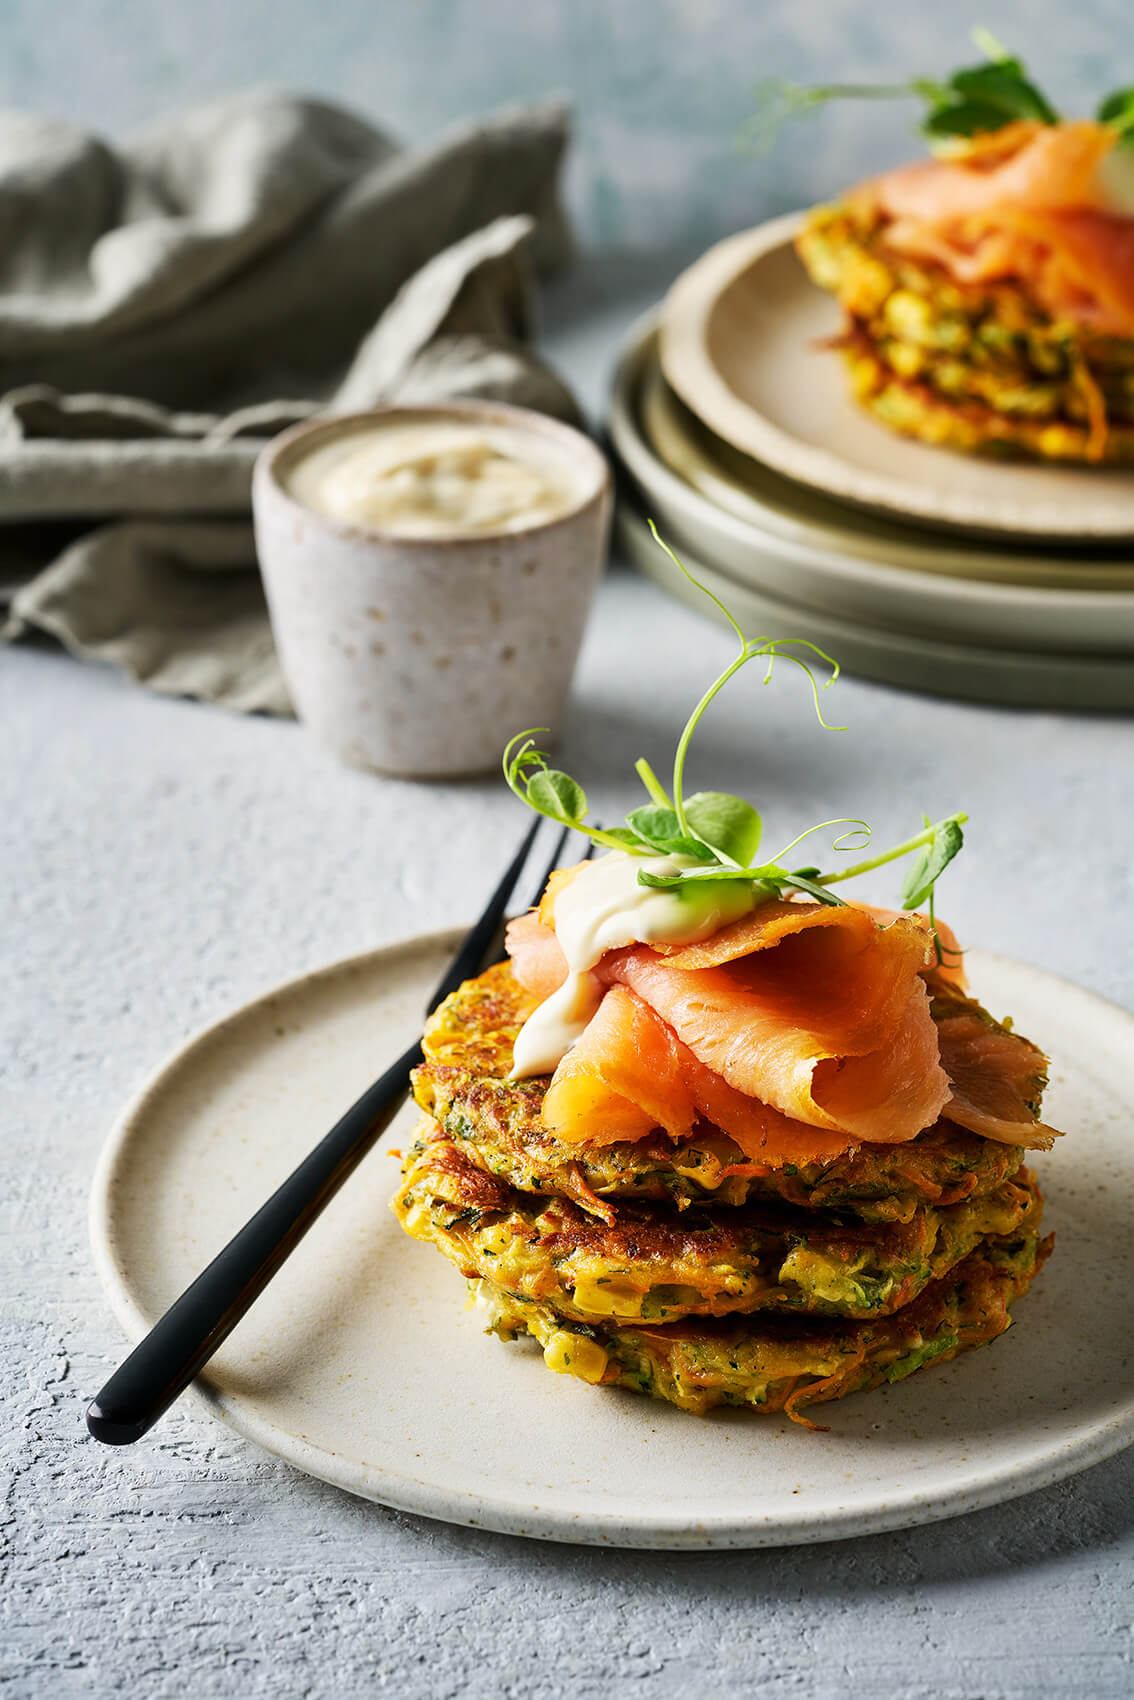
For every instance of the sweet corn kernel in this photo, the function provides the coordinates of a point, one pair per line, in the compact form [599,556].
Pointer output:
[906,358]
[910,318]
[418,1221]
[865,285]
[574,1354]
[608,1298]
[1056,441]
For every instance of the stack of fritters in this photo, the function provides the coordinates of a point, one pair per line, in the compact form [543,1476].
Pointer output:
[685,1270]
[978,366]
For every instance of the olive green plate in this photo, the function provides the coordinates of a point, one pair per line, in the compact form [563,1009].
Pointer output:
[360,1365]
[742,337]
[910,661]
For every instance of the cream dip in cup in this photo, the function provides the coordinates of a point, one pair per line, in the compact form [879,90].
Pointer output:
[429,571]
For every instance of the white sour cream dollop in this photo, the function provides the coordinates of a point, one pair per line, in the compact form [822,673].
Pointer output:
[604,908]
[433,478]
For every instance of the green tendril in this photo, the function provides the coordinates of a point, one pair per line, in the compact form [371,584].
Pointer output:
[714,835]
[973,101]
[917,842]
[859,829]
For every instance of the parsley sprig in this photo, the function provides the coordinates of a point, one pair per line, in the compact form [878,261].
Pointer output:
[718,835]
[975,100]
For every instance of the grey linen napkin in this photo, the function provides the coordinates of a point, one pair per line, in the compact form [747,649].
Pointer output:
[168,303]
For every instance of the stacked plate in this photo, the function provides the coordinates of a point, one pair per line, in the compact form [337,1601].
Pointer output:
[733,430]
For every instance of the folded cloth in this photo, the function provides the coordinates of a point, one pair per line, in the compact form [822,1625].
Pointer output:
[168,303]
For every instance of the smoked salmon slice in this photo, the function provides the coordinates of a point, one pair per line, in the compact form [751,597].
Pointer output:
[801,1030]
[1047,167]
[1025,203]
[630,1075]
[537,957]
[828,1028]
[996,1077]
[623,1074]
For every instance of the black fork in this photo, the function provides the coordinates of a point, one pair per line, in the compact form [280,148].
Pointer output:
[180,1344]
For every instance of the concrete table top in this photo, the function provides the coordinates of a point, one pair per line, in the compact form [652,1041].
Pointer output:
[162,862]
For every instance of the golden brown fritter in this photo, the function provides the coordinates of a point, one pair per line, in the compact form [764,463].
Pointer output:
[496,1122]
[656,1265]
[978,367]
[778,1363]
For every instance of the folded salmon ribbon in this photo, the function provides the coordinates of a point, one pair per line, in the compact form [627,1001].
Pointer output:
[1026,201]
[802,1030]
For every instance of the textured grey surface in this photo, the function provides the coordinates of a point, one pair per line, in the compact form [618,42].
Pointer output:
[161,862]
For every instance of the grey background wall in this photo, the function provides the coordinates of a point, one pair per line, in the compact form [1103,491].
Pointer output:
[660,87]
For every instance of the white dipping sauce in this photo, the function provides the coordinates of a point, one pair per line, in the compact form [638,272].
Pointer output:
[440,477]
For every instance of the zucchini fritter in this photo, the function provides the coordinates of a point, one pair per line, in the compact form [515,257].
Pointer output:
[683,1269]
[496,1122]
[978,367]
[781,1364]
[655,1266]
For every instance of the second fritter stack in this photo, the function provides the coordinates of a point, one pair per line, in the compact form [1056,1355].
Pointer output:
[682,1268]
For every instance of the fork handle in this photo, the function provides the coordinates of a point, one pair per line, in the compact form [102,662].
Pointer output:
[185,1338]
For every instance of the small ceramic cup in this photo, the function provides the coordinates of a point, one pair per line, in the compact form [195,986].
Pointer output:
[420,657]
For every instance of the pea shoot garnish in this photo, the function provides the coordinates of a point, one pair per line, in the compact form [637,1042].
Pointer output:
[713,834]
[973,101]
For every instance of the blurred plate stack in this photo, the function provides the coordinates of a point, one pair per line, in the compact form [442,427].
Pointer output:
[732,430]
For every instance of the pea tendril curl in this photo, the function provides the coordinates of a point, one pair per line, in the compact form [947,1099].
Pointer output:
[713,834]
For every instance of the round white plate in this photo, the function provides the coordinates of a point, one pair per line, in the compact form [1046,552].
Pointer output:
[778,547]
[742,344]
[1021,678]
[361,1366]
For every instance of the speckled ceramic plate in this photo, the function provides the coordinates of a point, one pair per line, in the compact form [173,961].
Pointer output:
[361,1366]
[830,549]
[742,344]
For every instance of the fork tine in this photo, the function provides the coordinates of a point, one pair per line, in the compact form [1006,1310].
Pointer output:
[469,958]
[556,858]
